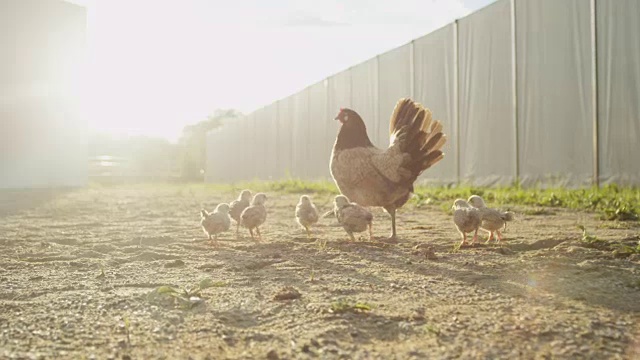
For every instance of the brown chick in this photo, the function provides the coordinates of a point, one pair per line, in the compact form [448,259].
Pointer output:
[255,215]
[492,219]
[467,219]
[352,217]
[306,213]
[216,222]
[237,207]
[384,177]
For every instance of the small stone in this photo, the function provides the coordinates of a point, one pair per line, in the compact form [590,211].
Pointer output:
[287,293]
[272,355]
[174,264]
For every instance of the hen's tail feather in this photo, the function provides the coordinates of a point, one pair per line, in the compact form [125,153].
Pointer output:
[417,134]
[431,159]
[431,143]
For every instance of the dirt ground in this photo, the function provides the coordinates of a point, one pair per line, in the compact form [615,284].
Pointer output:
[80,272]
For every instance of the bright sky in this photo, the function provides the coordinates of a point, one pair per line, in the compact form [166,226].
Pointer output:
[158,65]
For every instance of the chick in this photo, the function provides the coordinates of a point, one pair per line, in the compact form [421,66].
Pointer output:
[237,207]
[215,222]
[306,213]
[352,217]
[467,219]
[255,215]
[492,220]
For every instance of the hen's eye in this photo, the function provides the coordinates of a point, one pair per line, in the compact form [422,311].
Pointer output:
[346,117]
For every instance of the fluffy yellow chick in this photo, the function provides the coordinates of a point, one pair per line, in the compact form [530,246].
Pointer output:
[237,207]
[306,213]
[216,222]
[466,219]
[492,219]
[255,215]
[352,217]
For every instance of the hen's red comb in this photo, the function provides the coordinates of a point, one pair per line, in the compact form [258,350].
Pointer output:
[341,109]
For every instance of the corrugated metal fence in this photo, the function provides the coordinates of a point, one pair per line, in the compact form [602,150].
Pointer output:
[542,91]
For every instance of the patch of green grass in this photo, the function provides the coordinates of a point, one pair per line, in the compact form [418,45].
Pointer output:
[322,244]
[102,275]
[611,202]
[343,306]
[430,329]
[289,186]
[618,249]
[184,298]
[592,241]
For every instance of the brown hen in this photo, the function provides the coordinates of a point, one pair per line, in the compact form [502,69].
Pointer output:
[374,177]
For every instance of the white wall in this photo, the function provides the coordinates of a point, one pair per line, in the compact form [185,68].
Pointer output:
[42,127]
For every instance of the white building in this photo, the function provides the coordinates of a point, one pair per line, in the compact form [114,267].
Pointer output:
[42,126]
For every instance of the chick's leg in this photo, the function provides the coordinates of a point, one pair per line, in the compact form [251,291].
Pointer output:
[462,235]
[353,238]
[370,231]
[237,229]
[475,237]
[499,235]
[308,232]
[490,237]
[259,235]
[251,232]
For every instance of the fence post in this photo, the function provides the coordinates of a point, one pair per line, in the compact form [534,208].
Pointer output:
[594,93]
[376,108]
[277,125]
[412,70]
[456,99]
[514,85]
[328,111]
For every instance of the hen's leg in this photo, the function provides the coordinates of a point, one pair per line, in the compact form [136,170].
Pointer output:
[393,237]
[475,237]
[499,235]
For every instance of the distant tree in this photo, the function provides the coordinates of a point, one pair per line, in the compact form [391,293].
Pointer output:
[193,142]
